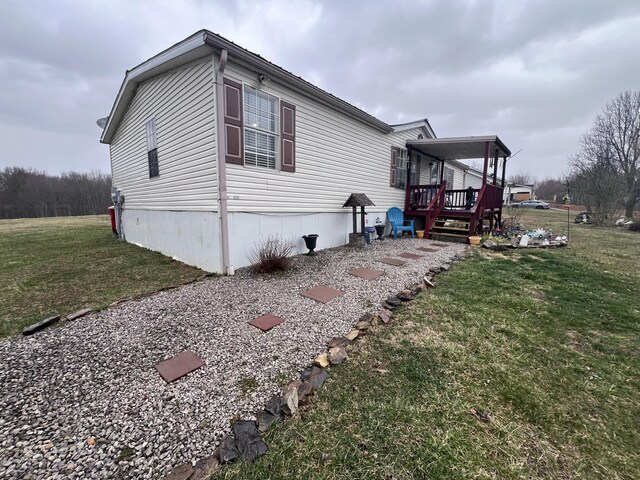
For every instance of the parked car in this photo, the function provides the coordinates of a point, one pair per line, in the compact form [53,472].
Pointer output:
[539,204]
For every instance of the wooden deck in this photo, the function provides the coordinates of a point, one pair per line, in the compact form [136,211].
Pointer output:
[454,213]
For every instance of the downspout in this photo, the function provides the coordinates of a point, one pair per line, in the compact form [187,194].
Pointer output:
[227,268]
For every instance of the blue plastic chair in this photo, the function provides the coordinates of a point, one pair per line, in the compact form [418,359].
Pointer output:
[396,218]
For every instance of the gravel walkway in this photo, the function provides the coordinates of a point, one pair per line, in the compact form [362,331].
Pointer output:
[95,377]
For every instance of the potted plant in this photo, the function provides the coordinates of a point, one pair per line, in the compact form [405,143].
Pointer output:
[310,242]
[474,240]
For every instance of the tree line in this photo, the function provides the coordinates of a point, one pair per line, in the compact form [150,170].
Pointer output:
[28,193]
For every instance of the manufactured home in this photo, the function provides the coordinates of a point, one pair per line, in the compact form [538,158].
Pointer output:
[213,147]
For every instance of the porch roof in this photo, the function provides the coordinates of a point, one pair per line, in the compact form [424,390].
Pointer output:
[460,148]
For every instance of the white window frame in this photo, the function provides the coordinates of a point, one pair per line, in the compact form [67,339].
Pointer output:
[260,131]
[152,144]
[402,159]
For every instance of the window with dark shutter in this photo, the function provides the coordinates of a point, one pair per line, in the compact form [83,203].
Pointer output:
[402,167]
[233,122]
[394,166]
[261,127]
[152,148]
[288,132]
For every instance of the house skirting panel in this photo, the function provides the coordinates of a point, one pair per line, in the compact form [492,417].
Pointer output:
[190,237]
[247,229]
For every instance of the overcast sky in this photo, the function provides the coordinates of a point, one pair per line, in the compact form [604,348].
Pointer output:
[535,73]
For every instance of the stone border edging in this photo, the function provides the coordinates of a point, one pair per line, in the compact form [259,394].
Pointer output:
[245,441]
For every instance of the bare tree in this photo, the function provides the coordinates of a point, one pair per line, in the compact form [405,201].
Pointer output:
[614,139]
[596,185]
[522,178]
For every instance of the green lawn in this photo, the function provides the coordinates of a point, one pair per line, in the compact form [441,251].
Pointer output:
[54,266]
[544,341]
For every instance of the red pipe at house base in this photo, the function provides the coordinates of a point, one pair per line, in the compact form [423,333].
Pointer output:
[112,216]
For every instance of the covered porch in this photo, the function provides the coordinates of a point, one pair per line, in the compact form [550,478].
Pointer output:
[439,204]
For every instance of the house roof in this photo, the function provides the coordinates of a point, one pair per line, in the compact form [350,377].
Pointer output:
[204,43]
[460,148]
[421,122]
[467,168]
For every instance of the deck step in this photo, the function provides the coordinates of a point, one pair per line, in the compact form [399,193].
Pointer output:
[446,234]
[448,237]
[450,229]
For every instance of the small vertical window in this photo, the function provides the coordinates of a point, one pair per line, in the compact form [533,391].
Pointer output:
[152,148]
[402,163]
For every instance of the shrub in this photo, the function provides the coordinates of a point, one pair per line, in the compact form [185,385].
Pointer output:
[511,217]
[271,255]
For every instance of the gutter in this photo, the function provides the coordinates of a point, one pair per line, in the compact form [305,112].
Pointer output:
[262,66]
[221,152]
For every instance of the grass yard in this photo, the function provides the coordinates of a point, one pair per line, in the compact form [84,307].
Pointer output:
[54,266]
[543,341]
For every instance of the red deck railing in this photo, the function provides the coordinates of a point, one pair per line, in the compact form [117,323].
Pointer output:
[418,197]
[431,200]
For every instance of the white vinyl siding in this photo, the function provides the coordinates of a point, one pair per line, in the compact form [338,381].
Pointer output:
[182,104]
[458,174]
[335,156]
[472,180]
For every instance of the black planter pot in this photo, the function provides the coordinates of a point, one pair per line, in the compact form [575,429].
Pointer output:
[310,242]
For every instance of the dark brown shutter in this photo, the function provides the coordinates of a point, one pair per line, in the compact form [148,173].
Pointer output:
[233,122]
[288,132]
[394,166]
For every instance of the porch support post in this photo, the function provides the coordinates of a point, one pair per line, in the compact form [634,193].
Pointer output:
[495,167]
[504,169]
[486,163]
[406,186]
[441,171]
[362,220]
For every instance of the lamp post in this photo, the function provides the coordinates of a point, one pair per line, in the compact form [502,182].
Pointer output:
[567,202]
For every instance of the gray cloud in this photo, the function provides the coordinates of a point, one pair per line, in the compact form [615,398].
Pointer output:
[533,72]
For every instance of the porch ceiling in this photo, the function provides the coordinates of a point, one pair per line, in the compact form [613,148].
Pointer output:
[460,148]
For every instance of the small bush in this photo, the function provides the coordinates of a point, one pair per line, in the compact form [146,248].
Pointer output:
[511,217]
[271,255]
[635,226]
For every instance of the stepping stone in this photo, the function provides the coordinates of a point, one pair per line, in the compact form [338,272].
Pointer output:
[412,256]
[178,366]
[322,294]
[425,249]
[439,244]
[366,273]
[392,261]
[266,322]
